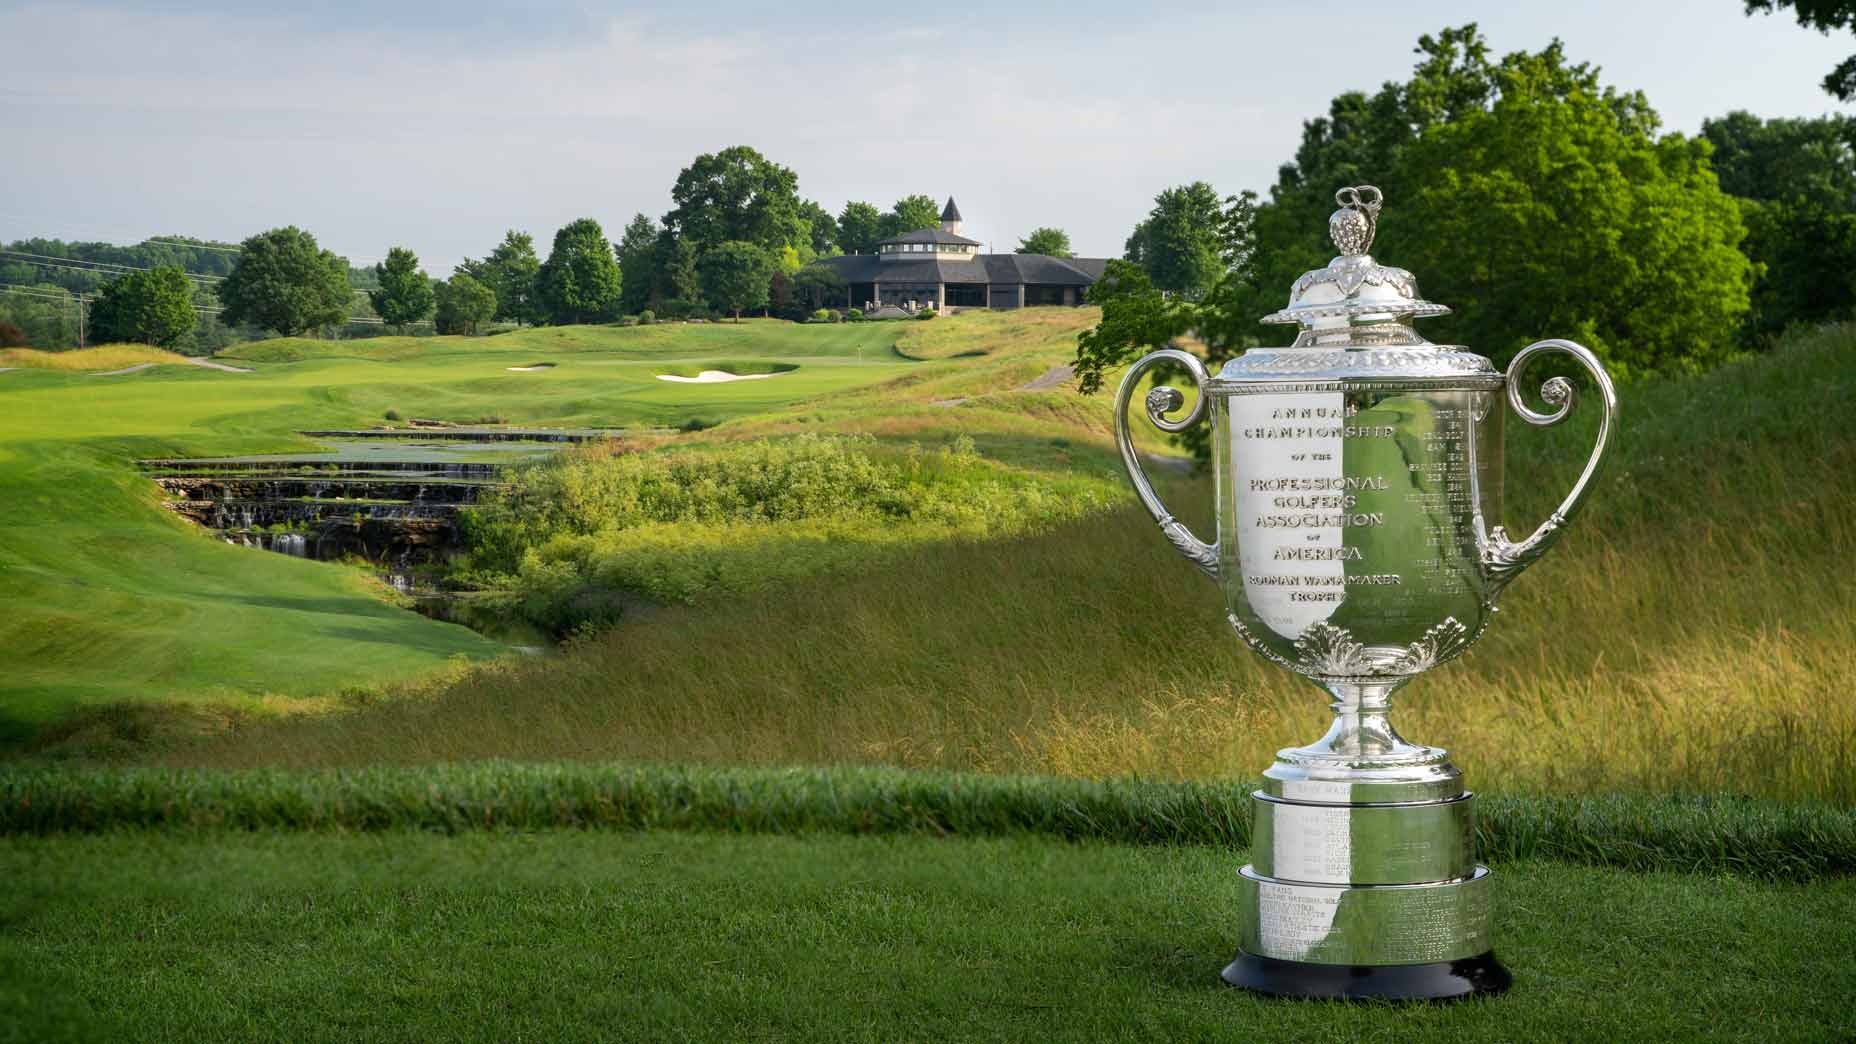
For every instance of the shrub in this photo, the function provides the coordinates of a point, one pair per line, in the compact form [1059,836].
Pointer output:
[394,415]
[926,313]
[677,308]
[837,316]
[823,315]
[12,336]
[854,314]
[647,317]
[695,424]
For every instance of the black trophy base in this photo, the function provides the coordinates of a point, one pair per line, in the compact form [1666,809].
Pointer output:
[1445,980]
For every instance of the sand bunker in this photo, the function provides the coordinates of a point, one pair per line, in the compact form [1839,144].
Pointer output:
[221,367]
[529,369]
[119,373]
[715,377]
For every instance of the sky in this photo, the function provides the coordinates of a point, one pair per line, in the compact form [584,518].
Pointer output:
[438,126]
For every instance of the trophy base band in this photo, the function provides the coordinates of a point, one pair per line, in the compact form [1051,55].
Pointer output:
[1442,980]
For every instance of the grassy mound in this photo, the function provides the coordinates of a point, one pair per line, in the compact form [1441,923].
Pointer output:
[85,360]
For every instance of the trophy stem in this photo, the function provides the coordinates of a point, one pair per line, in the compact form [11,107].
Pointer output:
[1362,731]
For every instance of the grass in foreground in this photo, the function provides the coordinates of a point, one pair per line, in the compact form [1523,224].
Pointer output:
[669,936]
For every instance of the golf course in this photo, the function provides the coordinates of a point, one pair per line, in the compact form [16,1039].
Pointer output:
[896,719]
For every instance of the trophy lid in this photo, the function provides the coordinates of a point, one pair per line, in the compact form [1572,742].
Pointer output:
[1359,311]
[1354,288]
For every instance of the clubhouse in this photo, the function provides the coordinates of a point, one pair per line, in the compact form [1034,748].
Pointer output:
[940,268]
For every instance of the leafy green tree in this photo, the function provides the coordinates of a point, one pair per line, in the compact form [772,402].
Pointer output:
[638,274]
[816,286]
[860,225]
[284,282]
[510,272]
[1825,16]
[464,304]
[1525,194]
[1557,210]
[736,194]
[678,279]
[153,307]
[1054,242]
[821,229]
[910,214]
[580,280]
[405,294]
[735,276]
[1181,242]
[1796,183]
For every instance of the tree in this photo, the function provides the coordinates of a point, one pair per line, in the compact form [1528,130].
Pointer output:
[735,276]
[1180,244]
[510,272]
[153,307]
[464,304]
[1796,183]
[736,194]
[815,287]
[405,294]
[1054,242]
[580,280]
[1525,194]
[284,282]
[910,214]
[821,229]
[1824,16]
[860,225]
[637,265]
[677,274]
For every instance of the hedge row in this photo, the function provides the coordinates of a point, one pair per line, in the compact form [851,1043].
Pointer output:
[1713,834]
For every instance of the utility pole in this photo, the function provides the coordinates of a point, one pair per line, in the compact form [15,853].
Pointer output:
[80,319]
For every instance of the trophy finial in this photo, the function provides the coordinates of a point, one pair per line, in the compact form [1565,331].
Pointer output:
[1352,226]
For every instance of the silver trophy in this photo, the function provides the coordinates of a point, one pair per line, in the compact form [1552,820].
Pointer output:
[1358,475]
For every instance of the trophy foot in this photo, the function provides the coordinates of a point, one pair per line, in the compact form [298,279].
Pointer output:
[1440,981]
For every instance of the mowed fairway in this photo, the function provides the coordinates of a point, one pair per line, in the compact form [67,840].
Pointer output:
[106,598]
[691,936]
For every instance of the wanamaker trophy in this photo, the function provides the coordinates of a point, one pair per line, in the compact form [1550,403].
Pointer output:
[1359,479]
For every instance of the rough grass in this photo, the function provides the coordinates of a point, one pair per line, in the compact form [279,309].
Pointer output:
[1679,640]
[675,936]
[1781,842]
[101,357]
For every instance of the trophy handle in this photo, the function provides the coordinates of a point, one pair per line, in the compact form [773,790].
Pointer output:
[1502,558]
[1161,401]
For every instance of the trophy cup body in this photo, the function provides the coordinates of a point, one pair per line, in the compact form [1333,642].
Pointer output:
[1358,475]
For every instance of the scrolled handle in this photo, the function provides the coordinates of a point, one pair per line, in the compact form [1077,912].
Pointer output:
[1503,558]
[1162,401]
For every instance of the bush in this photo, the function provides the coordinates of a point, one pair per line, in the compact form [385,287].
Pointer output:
[678,308]
[926,313]
[394,415]
[823,315]
[854,314]
[685,523]
[12,337]
[837,316]
[647,317]
[695,424]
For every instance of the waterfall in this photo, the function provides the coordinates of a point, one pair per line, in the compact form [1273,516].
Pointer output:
[296,545]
